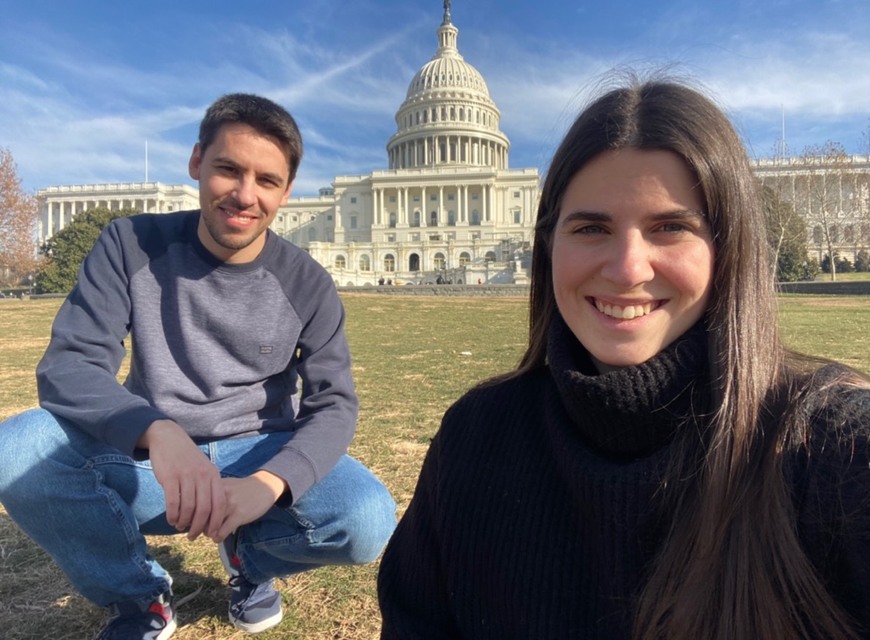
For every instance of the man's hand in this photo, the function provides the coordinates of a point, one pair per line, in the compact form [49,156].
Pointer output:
[195,499]
[246,500]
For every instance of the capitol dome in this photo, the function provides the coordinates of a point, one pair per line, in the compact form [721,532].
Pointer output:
[448,117]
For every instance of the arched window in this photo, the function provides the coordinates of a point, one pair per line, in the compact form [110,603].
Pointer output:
[340,262]
[433,218]
[451,218]
[416,222]
[365,263]
[392,220]
[414,262]
[389,262]
[464,258]
[440,261]
[490,256]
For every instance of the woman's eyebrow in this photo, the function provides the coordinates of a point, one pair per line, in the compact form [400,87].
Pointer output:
[587,216]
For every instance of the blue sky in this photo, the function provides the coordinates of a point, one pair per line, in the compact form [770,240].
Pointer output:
[85,83]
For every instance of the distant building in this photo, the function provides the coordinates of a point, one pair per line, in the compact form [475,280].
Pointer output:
[831,194]
[448,208]
[59,205]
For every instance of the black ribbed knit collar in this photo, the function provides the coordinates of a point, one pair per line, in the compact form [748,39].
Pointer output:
[632,411]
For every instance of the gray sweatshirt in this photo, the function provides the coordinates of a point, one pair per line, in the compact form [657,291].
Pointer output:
[220,349]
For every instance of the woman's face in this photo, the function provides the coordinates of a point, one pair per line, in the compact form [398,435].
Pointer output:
[632,255]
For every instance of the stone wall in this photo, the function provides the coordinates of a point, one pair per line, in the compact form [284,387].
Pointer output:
[464,290]
[819,288]
[854,288]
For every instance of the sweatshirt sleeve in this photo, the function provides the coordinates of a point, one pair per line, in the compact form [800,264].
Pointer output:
[412,589]
[77,376]
[328,406]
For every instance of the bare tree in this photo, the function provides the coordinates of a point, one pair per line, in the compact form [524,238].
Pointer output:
[18,219]
[821,187]
[786,234]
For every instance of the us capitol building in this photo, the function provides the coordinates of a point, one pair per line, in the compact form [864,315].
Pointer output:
[448,208]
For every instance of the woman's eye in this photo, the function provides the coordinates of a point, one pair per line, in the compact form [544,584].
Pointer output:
[589,229]
[673,227]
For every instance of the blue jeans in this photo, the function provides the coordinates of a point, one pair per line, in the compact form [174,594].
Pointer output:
[90,506]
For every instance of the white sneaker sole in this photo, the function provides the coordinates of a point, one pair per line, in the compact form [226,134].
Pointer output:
[257,627]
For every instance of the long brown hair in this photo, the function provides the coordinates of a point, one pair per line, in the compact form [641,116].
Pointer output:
[723,572]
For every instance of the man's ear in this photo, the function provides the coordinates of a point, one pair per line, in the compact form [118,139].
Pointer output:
[195,162]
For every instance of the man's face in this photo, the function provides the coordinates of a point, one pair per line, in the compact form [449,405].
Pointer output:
[243,179]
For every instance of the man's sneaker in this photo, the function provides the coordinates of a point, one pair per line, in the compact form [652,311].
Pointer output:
[131,621]
[253,607]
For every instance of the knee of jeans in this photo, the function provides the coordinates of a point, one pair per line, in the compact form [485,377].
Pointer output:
[371,524]
[25,440]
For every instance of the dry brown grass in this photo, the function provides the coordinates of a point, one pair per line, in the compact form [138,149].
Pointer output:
[412,357]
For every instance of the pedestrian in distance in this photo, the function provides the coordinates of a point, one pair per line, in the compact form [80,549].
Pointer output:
[659,466]
[236,415]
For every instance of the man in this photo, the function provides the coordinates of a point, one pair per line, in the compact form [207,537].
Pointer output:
[210,434]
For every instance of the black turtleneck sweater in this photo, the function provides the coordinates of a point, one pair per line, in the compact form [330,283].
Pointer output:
[537,511]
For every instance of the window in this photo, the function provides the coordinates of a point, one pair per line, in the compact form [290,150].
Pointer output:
[440,261]
[353,222]
[518,217]
[464,258]
[490,257]
[365,263]
[353,199]
[516,194]
[389,262]
[340,262]
[451,196]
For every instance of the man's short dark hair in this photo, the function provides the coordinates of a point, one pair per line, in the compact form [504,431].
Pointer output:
[266,117]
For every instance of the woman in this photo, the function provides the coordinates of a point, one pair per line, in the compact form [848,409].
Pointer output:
[659,465]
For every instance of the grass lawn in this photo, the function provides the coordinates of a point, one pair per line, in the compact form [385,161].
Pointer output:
[413,356]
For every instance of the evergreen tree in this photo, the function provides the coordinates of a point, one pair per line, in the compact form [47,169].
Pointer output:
[66,249]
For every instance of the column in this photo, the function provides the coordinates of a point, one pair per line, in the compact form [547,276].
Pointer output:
[424,213]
